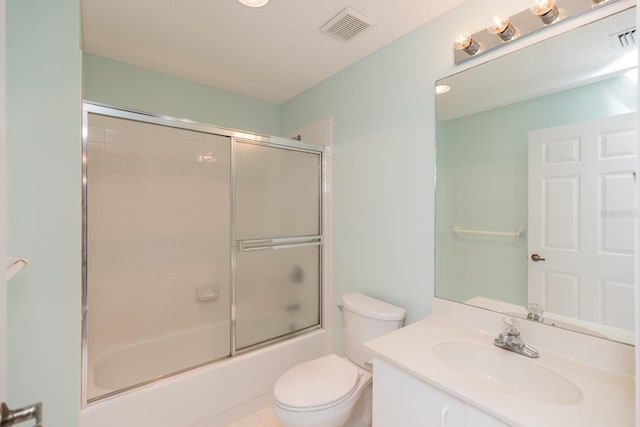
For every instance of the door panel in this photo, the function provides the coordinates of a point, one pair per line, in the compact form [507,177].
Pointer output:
[277,192]
[615,203]
[157,251]
[562,225]
[277,292]
[278,242]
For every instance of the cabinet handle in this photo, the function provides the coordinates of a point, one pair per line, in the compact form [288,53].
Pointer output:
[443,416]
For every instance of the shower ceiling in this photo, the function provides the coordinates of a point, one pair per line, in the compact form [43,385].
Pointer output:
[271,53]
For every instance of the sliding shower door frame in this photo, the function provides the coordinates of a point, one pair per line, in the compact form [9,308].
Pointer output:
[234,135]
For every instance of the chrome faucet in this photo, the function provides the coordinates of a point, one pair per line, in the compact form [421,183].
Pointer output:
[509,339]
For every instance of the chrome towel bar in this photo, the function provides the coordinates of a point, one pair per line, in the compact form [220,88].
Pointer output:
[518,234]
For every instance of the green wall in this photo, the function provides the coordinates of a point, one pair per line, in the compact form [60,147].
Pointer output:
[482,184]
[383,158]
[43,205]
[117,84]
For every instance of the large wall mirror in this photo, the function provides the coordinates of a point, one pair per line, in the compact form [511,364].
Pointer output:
[536,174]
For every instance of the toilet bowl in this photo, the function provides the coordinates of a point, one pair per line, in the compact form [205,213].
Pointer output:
[333,391]
[322,393]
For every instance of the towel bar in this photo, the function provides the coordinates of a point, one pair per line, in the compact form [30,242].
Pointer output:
[518,234]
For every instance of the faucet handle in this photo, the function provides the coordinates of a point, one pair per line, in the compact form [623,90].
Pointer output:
[535,312]
[510,326]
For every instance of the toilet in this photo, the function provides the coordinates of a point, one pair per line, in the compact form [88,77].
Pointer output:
[333,391]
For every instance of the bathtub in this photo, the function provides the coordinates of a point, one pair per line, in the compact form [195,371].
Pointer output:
[208,396]
[137,363]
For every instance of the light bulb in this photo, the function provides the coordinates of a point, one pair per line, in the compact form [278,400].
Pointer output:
[498,25]
[254,3]
[467,44]
[502,28]
[546,10]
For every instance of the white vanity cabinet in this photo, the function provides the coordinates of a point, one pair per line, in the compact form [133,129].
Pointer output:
[401,400]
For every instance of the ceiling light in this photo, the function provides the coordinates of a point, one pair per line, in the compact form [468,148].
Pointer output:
[440,89]
[254,3]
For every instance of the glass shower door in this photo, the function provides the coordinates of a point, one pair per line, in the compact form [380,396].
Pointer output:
[278,241]
[158,228]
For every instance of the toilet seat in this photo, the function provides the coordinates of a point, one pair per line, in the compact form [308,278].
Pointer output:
[317,384]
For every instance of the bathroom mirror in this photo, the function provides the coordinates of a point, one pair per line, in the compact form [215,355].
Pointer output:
[536,169]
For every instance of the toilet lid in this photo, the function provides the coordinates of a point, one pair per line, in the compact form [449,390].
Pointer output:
[318,382]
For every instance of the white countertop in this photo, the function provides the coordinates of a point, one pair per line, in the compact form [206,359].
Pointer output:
[608,396]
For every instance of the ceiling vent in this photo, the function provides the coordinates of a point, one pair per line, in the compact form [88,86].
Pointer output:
[347,24]
[624,40]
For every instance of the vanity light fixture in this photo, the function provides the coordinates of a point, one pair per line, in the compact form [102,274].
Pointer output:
[468,44]
[254,3]
[546,10]
[540,15]
[502,28]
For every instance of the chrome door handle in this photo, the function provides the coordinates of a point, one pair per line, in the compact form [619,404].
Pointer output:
[537,258]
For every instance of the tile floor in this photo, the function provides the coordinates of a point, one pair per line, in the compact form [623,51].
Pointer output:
[261,418]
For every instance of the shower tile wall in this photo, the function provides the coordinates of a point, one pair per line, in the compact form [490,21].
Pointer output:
[158,230]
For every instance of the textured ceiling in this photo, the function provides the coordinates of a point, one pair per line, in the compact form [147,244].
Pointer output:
[271,53]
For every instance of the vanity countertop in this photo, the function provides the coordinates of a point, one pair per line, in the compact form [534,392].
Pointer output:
[608,396]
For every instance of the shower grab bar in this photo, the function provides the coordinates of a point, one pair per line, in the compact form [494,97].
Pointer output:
[278,243]
[14,265]
[518,234]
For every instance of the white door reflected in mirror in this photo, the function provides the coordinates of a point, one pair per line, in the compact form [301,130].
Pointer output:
[582,209]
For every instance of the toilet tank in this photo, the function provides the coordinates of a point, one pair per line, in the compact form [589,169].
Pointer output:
[363,319]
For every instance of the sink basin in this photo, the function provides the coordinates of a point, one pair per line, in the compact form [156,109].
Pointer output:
[508,371]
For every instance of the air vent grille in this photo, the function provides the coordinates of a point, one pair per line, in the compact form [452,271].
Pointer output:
[624,40]
[346,25]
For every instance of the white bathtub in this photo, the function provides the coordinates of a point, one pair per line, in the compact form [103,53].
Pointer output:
[209,396]
[137,363]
